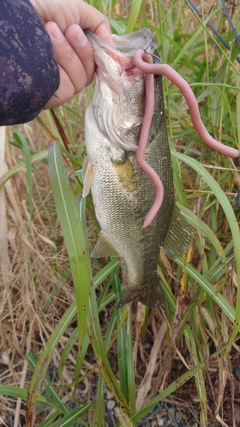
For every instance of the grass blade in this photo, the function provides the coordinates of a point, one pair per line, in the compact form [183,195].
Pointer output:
[136,5]
[22,165]
[68,420]
[43,362]
[18,392]
[73,234]
[200,225]
[223,200]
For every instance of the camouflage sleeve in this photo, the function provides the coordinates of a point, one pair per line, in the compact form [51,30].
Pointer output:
[29,73]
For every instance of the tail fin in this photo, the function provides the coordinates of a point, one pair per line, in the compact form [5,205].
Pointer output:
[150,295]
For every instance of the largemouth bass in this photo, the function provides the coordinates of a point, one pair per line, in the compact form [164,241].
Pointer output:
[121,191]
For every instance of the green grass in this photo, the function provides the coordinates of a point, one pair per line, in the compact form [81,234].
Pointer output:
[202,290]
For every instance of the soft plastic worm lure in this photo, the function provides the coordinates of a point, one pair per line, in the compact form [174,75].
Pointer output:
[143,62]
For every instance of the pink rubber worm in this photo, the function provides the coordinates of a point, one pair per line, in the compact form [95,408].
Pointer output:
[147,120]
[142,62]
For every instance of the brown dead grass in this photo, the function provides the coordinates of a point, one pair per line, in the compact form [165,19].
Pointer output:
[33,260]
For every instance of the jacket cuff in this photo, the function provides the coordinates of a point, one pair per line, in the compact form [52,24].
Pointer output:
[29,74]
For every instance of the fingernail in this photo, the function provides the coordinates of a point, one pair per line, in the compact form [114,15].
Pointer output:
[80,37]
[56,33]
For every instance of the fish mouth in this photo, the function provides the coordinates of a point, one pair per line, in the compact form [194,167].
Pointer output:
[126,45]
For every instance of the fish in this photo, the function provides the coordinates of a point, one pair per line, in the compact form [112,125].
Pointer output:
[122,192]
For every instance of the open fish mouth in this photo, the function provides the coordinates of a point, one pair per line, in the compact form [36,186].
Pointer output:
[126,46]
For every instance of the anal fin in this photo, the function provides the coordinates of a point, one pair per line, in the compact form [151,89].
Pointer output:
[104,248]
[179,236]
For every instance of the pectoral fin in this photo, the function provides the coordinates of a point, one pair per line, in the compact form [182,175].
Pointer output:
[104,248]
[124,169]
[126,175]
[87,173]
[179,236]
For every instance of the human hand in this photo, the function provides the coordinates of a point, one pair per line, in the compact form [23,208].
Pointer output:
[65,22]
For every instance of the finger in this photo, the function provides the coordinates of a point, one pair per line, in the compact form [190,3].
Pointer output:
[66,57]
[83,50]
[65,91]
[74,12]
[95,21]
[103,31]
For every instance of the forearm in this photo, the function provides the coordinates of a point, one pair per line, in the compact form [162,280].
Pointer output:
[29,74]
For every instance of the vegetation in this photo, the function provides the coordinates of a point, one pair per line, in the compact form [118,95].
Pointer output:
[63,344]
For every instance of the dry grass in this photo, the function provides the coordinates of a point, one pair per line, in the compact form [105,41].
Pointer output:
[33,262]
